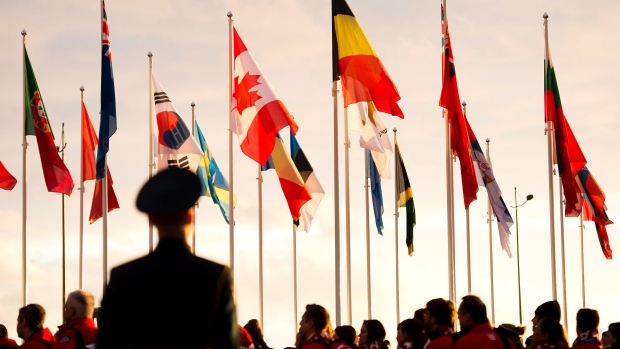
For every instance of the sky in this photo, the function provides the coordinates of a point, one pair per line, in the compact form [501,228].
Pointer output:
[498,49]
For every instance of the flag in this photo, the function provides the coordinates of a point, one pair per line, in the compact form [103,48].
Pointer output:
[567,153]
[257,111]
[374,135]
[405,196]
[312,184]
[355,62]
[7,181]
[292,183]
[376,193]
[486,178]
[89,141]
[594,208]
[107,126]
[451,101]
[176,146]
[57,176]
[213,182]
[96,209]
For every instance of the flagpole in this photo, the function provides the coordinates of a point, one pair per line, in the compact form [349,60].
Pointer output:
[563,254]
[396,236]
[347,214]
[81,257]
[490,220]
[151,162]
[294,279]
[468,233]
[336,207]
[366,188]
[231,222]
[583,275]
[518,259]
[61,149]
[194,207]
[104,207]
[260,246]
[24,196]
[549,132]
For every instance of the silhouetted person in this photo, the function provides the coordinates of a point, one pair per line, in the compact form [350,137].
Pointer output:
[79,329]
[315,329]
[476,331]
[169,298]
[549,309]
[439,324]
[30,328]
[587,330]
[5,341]
[256,332]
[372,335]
[512,333]
[345,337]
[410,334]
[548,334]
[611,337]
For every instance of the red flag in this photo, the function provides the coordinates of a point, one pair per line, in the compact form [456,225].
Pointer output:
[96,210]
[459,140]
[7,181]
[89,141]
[594,208]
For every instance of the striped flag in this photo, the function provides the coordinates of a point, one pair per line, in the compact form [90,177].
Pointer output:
[405,197]
[312,184]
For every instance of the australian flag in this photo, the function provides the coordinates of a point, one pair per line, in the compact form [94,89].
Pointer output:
[107,126]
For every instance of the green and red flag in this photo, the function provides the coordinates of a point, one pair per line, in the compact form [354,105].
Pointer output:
[57,176]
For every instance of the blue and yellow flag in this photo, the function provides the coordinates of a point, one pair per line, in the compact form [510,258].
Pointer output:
[375,189]
[213,182]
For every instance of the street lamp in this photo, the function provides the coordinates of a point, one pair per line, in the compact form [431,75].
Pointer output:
[516,207]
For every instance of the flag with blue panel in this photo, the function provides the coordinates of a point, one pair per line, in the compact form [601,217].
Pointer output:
[375,189]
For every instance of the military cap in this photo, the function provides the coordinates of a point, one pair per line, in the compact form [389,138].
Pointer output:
[170,191]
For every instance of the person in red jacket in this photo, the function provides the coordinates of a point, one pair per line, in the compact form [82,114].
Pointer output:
[315,329]
[587,330]
[5,341]
[79,329]
[30,328]
[548,334]
[439,323]
[476,331]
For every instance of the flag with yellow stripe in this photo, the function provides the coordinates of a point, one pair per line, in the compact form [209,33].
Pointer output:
[405,196]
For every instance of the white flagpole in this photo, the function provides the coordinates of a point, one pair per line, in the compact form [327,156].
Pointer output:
[104,199]
[336,208]
[260,245]
[564,309]
[490,221]
[231,222]
[294,279]
[347,209]
[24,196]
[151,159]
[194,208]
[468,233]
[583,274]
[366,189]
[61,149]
[81,189]
[396,235]
[549,132]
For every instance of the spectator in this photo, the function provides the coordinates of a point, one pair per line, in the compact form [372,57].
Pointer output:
[372,335]
[5,341]
[79,329]
[611,337]
[476,331]
[587,330]
[410,334]
[439,324]
[548,334]
[256,332]
[512,333]
[345,337]
[245,340]
[315,329]
[420,315]
[30,322]
[549,309]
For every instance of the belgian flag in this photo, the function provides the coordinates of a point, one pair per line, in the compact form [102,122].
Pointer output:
[355,62]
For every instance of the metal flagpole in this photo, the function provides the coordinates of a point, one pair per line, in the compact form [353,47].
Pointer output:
[583,274]
[260,245]
[61,149]
[468,233]
[81,189]
[366,188]
[549,132]
[295,279]
[564,309]
[151,156]
[24,147]
[194,208]
[490,221]
[336,207]
[347,213]
[231,222]
[518,259]
[396,237]
[104,199]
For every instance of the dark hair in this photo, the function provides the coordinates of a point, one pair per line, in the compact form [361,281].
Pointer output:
[442,310]
[587,319]
[474,306]
[346,334]
[614,329]
[34,315]
[549,309]
[3,332]
[318,315]
[256,332]
[375,332]
[420,314]
[513,333]
[553,329]
[415,330]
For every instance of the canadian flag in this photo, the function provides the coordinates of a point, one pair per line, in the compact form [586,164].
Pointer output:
[257,111]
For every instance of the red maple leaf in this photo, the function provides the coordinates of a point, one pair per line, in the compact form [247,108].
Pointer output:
[246,98]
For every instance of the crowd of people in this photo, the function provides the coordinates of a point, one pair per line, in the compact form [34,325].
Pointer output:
[174,299]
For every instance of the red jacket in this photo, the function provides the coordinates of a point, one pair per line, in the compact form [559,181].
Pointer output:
[67,338]
[440,339]
[42,339]
[480,337]
[319,340]
[8,343]
[594,344]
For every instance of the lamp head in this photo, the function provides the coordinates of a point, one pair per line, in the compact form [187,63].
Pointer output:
[529,197]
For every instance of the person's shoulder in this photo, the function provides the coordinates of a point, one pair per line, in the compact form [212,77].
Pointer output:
[441,342]
[209,266]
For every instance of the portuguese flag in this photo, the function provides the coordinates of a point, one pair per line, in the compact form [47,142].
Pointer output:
[355,62]
[57,176]
[405,196]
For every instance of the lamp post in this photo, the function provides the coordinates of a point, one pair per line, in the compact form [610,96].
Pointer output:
[516,207]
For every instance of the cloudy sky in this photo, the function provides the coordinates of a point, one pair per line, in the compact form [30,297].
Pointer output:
[498,50]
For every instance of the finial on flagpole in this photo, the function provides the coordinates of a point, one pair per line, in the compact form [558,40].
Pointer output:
[464,104]
[24,32]
[150,54]
[488,140]
[394,129]
[545,15]
[82,88]
[229,14]
[193,104]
